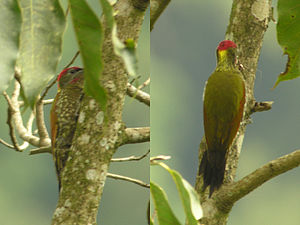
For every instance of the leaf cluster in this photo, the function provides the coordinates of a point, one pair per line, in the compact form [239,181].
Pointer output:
[31,44]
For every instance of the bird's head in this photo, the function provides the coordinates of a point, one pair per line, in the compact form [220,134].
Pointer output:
[70,76]
[226,54]
[225,45]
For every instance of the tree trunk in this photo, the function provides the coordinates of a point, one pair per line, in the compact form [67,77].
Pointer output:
[98,133]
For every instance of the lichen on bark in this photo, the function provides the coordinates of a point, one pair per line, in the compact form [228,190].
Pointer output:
[85,172]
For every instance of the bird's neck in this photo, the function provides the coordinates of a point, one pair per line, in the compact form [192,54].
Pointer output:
[226,60]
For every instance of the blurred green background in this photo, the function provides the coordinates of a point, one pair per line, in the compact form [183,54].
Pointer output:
[183,44]
[28,187]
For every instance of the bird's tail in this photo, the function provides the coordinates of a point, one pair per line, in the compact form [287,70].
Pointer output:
[212,167]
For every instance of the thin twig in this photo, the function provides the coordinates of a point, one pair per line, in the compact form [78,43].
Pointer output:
[262,106]
[142,96]
[6,144]
[30,122]
[47,89]
[22,147]
[48,101]
[159,158]
[29,128]
[12,134]
[6,96]
[143,85]
[35,151]
[45,102]
[132,180]
[17,75]
[136,135]
[40,122]
[135,79]
[10,113]
[130,158]
[72,60]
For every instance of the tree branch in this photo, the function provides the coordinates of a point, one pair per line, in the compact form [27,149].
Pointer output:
[40,122]
[47,149]
[6,144]
[262,106]
[154,159]
[142,96]
[130,158]
[12,134]
[30,122]
[17,118]
[45,102]
[132,180]
[231,193]
[73,59]
[156,9]
[145,84]
[46,90]
[136,135]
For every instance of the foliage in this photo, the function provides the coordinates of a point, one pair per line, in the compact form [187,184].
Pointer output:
[125,50]
[189,198]
[34,33]
[10,26]
[288,30]
[89,33]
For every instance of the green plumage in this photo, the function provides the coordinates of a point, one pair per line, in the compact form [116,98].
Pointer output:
[224,99]
[64,115]
[223,95]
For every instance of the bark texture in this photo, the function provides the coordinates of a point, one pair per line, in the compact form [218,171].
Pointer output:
[98,134]
[248,23]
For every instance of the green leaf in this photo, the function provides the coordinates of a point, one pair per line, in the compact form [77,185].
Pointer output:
[10,26]
[108,12]
[127,50]
[89,36]
[40,44]
[288,31]
[164,212]
[189,197]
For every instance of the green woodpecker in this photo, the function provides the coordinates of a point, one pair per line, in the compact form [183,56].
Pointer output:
[64,114]
[224,98]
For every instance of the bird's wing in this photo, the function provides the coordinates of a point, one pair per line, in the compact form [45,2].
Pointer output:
[53,120]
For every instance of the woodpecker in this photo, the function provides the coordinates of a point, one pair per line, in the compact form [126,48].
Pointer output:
[223,106]
[64,115]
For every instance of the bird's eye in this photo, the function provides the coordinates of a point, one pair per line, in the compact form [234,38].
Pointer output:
[72,71]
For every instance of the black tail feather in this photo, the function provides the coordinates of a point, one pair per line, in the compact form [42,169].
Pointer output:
[213,168]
